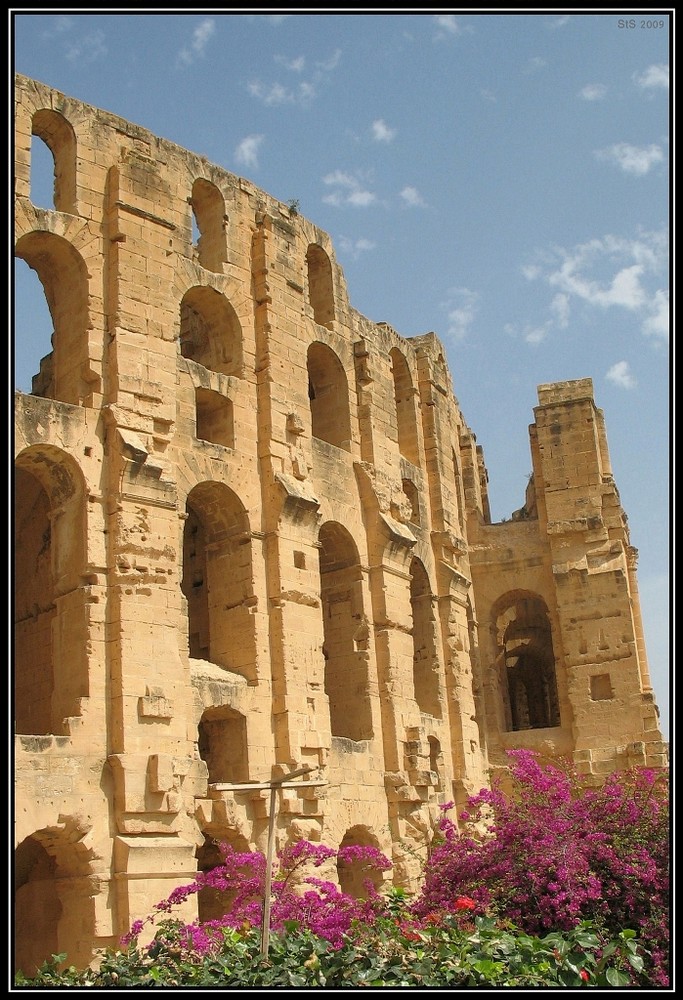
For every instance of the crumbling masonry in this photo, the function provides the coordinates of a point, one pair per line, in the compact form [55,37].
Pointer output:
[252,536]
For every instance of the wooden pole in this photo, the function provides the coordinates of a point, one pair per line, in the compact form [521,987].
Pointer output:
[265,927]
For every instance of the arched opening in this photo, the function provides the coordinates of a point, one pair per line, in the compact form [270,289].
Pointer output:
[412,493]
[320,287]
[404,396]
[345,634]
[56,133]
[425,659]
[526,660]
[50,647]
[208,206]
[357,877]
[65,373]
[223,744]
[214,903]
[328,393]
[217,579]
[210,331]
[54,910]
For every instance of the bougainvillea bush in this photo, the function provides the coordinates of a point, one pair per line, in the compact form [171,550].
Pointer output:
[555,885]
[555,853]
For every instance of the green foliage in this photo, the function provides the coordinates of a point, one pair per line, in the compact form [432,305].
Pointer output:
[447,954]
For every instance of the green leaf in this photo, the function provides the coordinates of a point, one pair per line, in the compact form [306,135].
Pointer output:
[616,978]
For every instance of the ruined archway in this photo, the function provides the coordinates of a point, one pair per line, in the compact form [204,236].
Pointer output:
[425,656]
[217,579]
[357,877]
[346,634]
[50,647]
[210,332]
[208,206]
[320,286]
[328,393]
[526,662]
[405,397]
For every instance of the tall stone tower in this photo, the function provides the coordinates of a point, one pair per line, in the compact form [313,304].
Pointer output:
[252,536]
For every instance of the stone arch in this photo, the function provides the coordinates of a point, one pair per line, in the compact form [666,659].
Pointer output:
[50,647]
[320,285]
[54,890]
[525,661]
[344,629]
[210,332]
[64,277]
[58,135]
[223,744]
[217,579]
[404,397]
[208,206]
[425,658]
[212,904]
[328,393]
[353,874]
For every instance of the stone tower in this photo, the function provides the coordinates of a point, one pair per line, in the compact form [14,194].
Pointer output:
[252,536]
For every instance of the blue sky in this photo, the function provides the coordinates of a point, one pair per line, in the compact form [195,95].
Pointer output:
[499,178]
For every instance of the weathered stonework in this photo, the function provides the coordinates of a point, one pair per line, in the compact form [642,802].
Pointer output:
[253,536]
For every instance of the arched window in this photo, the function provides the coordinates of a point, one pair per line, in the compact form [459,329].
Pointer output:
[217,579]
[328,393]
[411,492]
[345,634]
[526,661]
[65,373]
[404,396]
[223,744]
[52,129]
[425,659]
[210,331]
[320,288]
[212,904]
[52,882]
[51,677]
[208,206]
[354,873]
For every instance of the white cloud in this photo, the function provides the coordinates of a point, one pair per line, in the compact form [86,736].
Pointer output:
[461,308]
[593,92]
[559,307]
[654,76]
[86,49]
[246,153]
[620,374]
[657,323]
[412,197]
[296,65]
[354,248]
[350,190]
[200,39]
[271,94]
[560,22]
[488,95]
[606,273]
[535,64]
[637,160]
[447,25]
[328,65]
[381,131]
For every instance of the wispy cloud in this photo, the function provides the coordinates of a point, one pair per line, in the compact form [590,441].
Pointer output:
[637,160]
[535,64]
[559,22]
[60,25]
[348,189]
[606,273]
[354,248]
[412,197]
[620,374]
[246,153]
[460,307]
[295,65]
[86,48]
[304,91]
[200,39]
[654,76]
[447,26]
[381,131]
[593,92]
